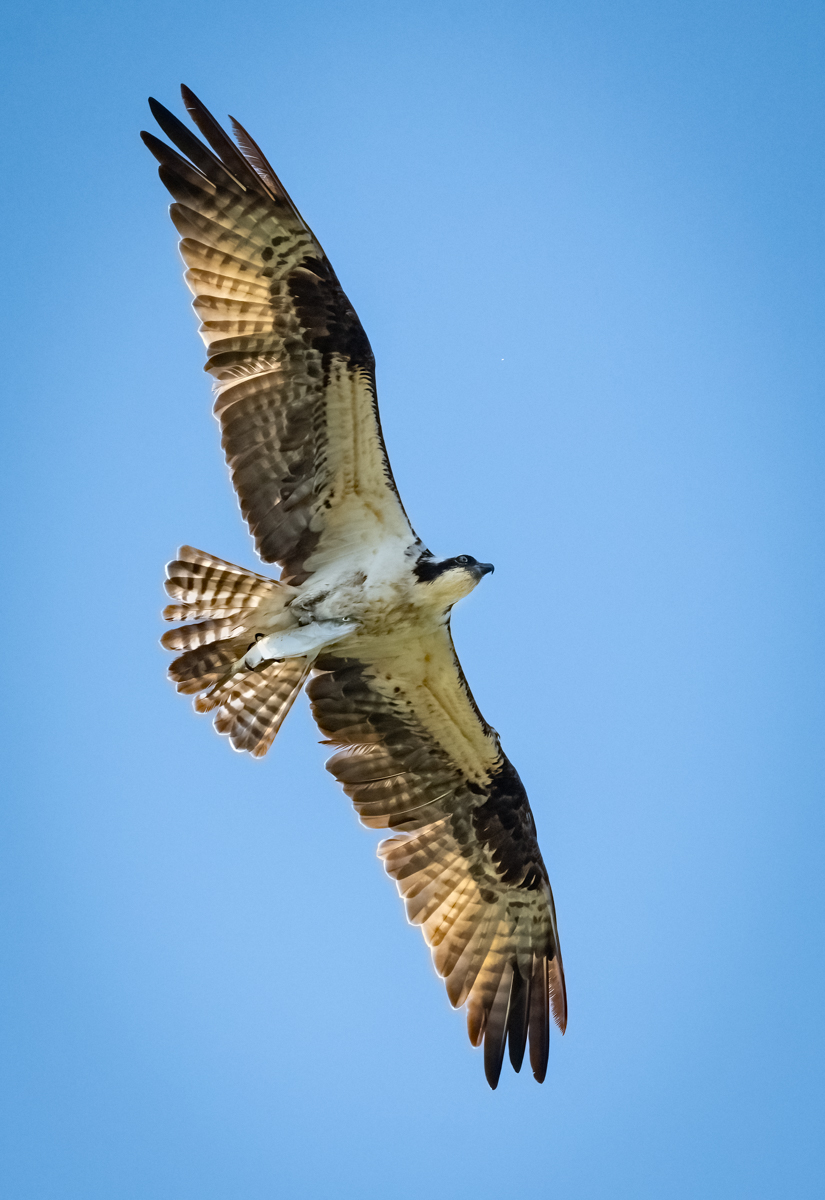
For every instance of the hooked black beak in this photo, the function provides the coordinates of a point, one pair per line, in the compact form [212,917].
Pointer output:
[484,569]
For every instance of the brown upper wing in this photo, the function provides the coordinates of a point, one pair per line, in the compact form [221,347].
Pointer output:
[294,372]
[419,759]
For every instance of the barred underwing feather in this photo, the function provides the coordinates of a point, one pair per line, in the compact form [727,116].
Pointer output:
[366,762]
[473,958]
[431,899]
[498,958]
[466,970]
[450,956]
[444,920]
[415,877]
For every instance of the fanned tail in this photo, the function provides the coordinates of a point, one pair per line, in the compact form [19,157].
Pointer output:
[228,608]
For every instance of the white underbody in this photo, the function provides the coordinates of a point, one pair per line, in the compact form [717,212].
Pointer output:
[373,596]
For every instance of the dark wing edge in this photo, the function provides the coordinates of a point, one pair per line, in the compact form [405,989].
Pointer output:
[465,859]
[283,341]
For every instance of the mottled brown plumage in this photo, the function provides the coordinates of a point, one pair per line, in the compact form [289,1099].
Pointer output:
[362,608]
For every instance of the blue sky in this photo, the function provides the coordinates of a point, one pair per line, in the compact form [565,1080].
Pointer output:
[586,241]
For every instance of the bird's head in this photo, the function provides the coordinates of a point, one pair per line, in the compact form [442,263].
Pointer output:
[449,579]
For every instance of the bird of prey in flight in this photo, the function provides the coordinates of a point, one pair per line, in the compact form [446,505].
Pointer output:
[360,615]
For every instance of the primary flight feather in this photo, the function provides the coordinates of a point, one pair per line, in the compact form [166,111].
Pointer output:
[361,613]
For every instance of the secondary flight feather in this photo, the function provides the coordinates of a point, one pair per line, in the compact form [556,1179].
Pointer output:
[360,615]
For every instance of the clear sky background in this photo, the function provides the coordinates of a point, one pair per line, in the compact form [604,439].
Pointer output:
[586,241]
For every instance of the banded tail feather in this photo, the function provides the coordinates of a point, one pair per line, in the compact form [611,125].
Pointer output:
[253,709]
[228,608]
[211,587]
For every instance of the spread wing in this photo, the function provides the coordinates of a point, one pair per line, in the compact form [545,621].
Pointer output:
[417,757]
[293,369]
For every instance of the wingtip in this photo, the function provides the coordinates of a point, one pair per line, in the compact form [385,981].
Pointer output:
[191,102]
[189,98]
[493,1060]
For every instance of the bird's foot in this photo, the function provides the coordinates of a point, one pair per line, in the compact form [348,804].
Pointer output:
[304,642]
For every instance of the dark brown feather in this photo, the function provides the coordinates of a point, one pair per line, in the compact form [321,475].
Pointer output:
[539,1020]
[255,155]
[221,144]
[519,1020]
[174,162]
[188,144]
[495,1032]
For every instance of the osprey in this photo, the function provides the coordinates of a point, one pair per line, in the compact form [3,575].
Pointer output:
[360,615]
